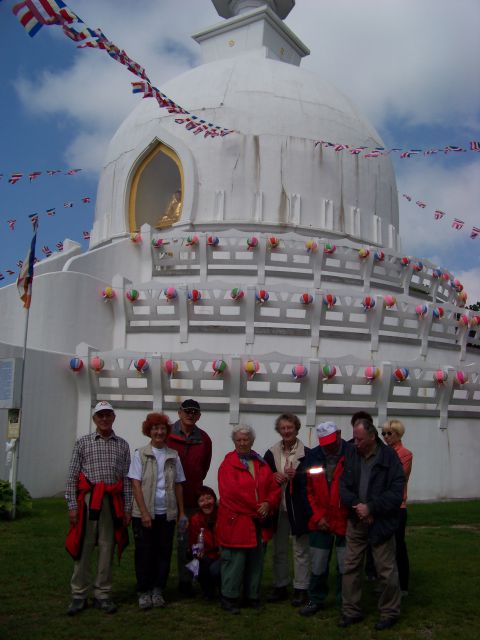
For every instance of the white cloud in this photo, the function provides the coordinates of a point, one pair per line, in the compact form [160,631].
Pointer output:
[471,282]
[416,61]
[454,190]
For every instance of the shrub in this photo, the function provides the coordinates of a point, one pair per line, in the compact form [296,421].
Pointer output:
[24,500]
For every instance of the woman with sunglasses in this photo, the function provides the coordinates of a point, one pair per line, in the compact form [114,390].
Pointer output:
[392,433]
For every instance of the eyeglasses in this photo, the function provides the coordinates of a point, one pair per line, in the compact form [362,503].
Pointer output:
[191,412]
[386,433]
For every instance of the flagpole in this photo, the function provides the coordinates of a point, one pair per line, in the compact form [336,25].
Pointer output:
[16,451]
[25,284]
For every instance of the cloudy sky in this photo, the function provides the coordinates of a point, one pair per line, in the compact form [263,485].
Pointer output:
[411,66]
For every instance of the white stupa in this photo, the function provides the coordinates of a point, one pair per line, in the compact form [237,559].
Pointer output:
[307,236]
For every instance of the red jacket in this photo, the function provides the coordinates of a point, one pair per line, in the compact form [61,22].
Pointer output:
[199,521]
[195,455]
[240,495]
[76,532]
[325,502]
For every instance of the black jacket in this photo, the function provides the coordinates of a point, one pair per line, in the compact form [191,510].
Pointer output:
[295,503]
[384,492]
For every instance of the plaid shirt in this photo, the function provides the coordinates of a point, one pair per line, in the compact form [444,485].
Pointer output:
[100,460]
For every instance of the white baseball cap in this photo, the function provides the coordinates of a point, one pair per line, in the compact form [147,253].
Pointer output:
[103,405]
[326,432]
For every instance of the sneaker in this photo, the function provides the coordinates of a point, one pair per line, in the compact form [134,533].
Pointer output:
[300,597]
[105,604]
[310,609]
[77,605]
[145,600]
[157,598]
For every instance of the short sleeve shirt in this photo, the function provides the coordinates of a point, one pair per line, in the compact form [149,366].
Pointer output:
[135,473]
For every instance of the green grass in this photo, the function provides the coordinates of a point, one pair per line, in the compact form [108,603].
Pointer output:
[35,572]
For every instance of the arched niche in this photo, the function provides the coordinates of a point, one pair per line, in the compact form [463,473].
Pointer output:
[157,192]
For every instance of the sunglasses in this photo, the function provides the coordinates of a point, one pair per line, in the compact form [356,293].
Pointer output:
[386,433]
[191,412]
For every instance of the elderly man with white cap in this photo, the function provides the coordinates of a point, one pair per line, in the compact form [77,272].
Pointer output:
[99,499]
[322,469]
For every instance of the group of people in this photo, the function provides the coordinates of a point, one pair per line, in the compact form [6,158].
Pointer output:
[350,496]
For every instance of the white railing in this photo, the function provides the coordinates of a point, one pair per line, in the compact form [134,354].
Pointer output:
[171,378]
[290,260]
[284,312]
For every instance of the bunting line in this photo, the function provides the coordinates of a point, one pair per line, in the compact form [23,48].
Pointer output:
[457,224]
[33,14]
[376,152]
[17,176]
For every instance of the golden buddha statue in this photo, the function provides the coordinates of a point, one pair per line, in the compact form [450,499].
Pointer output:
[172,211]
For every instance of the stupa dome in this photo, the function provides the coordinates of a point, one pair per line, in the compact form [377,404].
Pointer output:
[270,172]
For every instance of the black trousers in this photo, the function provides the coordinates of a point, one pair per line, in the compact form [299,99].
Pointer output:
[209,576]
[153,552]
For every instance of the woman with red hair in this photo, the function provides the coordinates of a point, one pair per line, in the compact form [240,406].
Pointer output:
[156,474]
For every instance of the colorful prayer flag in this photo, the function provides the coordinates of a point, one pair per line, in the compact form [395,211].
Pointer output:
[68,205]
[25,277]
[409,198]
[34,219]
[51,212]
[474,232]
[46,251]
[15,177]
[438,215]
[34,14]
[11,223]
[452,147]
[72,172]
[421,204]
[86,235]
[86,200]
[33,175]
[59,246]
[475,145]
[52,172]
[457,224]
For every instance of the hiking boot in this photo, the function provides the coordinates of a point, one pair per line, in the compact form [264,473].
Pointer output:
[278,594]
[300,597]
[157,598]
[345,621]
[385,623]
[310,609]
[230,605]
[105,604]
[77,605]
[145,600]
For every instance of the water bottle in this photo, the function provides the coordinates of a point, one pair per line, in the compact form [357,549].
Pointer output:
[201,541]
